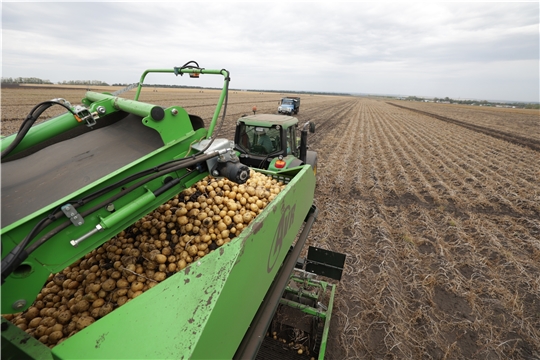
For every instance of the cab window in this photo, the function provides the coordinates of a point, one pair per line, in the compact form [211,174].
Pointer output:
[259,140]
[291,136]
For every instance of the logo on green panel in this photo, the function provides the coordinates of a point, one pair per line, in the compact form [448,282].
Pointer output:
[285,223]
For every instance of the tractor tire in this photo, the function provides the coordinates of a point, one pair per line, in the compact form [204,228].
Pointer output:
[311,159]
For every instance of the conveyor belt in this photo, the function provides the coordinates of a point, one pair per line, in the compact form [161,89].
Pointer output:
[39,179]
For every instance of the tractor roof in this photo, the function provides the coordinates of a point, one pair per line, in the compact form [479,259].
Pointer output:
[268,120]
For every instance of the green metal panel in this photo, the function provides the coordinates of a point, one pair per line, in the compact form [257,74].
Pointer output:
[273,232]
[326,330]
[42,132]
[174,125]
[289,160]
[18,345]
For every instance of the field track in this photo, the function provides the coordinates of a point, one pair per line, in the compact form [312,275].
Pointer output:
[440,222]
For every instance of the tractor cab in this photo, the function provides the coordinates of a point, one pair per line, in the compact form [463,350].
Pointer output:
[269,141]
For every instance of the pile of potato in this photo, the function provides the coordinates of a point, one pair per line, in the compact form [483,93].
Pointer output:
[192,224]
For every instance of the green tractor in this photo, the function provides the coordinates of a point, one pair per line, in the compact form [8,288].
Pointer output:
[268,141]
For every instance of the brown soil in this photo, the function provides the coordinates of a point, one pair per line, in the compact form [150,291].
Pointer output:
[440,223]
[531,143]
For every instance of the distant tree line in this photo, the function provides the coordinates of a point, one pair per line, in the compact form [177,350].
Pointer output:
[447,100]
[24,80]
[83,82]
[34,80]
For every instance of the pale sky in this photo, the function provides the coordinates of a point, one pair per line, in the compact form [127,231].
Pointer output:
[465,50]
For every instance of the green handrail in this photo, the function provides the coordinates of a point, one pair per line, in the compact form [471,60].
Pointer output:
[189,70]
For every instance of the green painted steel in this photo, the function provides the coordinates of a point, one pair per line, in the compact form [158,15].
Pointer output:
[270,237]
[42,132]
[304,308]
[18,345]
[319,289]
[117,217]
[326,330]
[131,106]
[171,128]
[268,120]
[180,71]
[289,160]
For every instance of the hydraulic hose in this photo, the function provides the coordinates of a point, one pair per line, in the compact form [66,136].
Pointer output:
[31,118]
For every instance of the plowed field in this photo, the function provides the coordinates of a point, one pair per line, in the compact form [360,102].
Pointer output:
[440,222]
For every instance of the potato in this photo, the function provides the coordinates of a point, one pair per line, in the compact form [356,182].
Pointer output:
[181,264]
[108,285]
[171,267]
[98,303]
[31,313]
[44,339]
[69,328]
[93,288]
[20,320]
[40,331]
[57,327]
[160,276]
[95,312]
[162,242]
[48,321]
[122,300]
[136,286]
[82,306]
[84,321]
[121,292]
[122,283]
[105,309]
[160,258]
[35,322]
[55,336]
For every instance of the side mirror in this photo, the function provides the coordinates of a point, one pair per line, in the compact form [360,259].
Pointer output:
[311,127]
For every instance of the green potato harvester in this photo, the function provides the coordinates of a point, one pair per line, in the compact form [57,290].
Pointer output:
[73,182]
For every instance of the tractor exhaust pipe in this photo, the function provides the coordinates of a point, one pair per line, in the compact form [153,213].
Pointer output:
[303,139]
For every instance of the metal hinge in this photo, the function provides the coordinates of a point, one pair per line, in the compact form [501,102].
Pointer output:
[73,214]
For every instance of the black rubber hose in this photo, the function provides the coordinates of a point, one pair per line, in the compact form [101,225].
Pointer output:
[17,255]
[31,118]
[161,167]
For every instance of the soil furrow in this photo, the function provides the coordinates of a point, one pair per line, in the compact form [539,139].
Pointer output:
[515,139]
